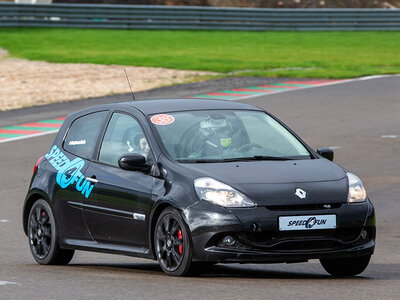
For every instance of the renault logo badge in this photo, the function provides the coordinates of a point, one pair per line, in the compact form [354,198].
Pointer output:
[300,193]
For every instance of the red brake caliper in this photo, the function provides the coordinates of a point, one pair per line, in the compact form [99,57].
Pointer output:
[181,238]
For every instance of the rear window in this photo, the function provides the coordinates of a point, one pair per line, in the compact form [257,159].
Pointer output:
[83,133]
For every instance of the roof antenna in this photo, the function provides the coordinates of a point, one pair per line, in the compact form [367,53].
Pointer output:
[133,95]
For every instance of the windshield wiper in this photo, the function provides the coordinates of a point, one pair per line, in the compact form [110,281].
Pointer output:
[256,157]
[249,158]
[199,161]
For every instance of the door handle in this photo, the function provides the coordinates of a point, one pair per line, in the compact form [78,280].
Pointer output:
[92,179]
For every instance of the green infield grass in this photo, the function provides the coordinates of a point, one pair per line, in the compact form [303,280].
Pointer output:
[279,54]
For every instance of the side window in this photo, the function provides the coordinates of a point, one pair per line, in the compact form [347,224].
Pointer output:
[123,135]
[83,133]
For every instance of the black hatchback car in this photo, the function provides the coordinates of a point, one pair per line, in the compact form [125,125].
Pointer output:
[190,181]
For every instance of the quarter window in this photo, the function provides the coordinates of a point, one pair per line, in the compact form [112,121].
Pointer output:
[123,135]
[83,133]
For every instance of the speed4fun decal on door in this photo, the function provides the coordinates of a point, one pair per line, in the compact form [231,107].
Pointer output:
[69,172]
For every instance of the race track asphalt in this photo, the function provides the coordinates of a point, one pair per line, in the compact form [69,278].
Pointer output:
[360,119]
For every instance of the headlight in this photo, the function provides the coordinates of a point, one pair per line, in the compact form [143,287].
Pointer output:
[220,193]
[356,189]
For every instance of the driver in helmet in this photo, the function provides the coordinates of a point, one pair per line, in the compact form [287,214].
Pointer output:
[215,138]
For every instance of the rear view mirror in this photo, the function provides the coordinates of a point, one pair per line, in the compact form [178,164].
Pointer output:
[133,162]
[326,152]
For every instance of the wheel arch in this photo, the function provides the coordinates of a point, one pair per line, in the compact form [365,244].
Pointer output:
[30,200]
[158,209]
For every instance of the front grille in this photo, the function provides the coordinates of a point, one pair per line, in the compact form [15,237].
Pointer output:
[303,239]
[307,245]
[303,207]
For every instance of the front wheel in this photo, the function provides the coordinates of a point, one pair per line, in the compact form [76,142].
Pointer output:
[346,266]
[42,236]
[172,243]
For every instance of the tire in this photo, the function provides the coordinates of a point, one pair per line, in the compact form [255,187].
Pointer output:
[42,236]
[346,266]
[172,243]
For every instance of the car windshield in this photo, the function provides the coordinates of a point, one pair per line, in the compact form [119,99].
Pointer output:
[226,135]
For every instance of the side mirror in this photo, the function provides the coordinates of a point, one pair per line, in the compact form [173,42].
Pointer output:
[326,152]
[133,162]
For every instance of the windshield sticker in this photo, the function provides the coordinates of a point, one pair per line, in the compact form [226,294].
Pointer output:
[69,172]
[162,119]
[73,143]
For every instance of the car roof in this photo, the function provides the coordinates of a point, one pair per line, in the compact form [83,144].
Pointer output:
[156,106]
[149,107]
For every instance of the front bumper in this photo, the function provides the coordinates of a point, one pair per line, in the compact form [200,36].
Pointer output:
[226,255]
[258,239]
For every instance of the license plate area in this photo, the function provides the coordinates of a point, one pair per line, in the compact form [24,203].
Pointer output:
[310,222]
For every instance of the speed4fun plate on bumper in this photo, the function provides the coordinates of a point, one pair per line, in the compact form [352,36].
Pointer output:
[307,222]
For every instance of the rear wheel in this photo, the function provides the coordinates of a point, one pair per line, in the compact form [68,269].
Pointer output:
[42,236]
[171,242]
[346,266]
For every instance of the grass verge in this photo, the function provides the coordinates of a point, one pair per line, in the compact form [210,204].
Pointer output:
[276,54]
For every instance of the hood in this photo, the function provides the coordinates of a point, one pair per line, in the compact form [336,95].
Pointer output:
[275,182]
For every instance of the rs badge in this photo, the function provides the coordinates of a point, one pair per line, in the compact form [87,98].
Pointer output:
[300,193]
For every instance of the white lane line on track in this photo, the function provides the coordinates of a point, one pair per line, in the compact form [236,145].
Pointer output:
[334,147]
[9,283]
[378,76]
[390,136]
[29,136]
[319,85]
[4,221]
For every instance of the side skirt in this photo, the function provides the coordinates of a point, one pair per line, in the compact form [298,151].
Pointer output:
[105,248]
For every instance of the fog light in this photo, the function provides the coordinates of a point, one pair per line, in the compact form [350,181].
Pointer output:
[228,240]
[364,234]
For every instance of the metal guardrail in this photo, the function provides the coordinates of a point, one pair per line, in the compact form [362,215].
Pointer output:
[195,18]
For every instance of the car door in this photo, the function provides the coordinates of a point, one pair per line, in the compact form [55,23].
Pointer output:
[118,210]
[71,163]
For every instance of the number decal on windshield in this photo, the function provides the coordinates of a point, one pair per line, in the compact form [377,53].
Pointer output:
[162,119]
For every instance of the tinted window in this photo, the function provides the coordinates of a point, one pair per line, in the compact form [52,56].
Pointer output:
[123,135]
[83,133]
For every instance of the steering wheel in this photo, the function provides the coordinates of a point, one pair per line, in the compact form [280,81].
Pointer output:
[247,147]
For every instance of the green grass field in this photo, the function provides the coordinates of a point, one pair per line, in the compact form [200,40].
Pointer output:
[285,54]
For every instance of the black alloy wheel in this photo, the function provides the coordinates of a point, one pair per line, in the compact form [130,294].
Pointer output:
[171,241]
[40,231]
[42,236]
